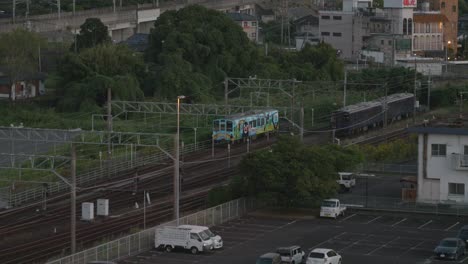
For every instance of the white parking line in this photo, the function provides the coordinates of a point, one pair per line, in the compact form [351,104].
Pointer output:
[401,221]
[326,241]
[452,226]
[382,246]
[356,242]
[463,260]
[374,219]
[346,218]
[423,225]
[412,248]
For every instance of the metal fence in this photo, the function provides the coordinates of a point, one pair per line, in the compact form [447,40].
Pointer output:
[396,204]
[91,176]
[389,168]
[144,240]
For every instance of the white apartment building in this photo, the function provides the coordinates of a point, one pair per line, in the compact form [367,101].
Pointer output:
[442,164]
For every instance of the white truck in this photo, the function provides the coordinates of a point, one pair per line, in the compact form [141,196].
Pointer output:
[331,208]
[171,237]
[217,240]
[346,180]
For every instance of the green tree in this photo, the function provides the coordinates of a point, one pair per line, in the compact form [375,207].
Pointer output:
[19,51]
[194,48]
[291,173]
[92,33]
[86,76]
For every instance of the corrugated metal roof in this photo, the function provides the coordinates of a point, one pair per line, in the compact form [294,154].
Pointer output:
[439,130]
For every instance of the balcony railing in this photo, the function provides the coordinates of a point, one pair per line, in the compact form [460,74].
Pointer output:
[459,161]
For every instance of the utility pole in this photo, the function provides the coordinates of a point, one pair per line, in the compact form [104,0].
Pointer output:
[302,123]
[289,26]
[429,92]
[415,84]
[282,22]
[74,7]
[344,87]
[226,82]
[109,128]
[385,108]
[73,199]
[14,11]
[59,9]
[113,6]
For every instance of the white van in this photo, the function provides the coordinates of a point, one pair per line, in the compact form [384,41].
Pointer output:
[217,241]
[171,237]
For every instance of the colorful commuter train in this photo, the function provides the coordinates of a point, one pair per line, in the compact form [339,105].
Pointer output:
[245,125]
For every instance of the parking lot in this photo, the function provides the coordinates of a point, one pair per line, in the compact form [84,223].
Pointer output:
[360,237]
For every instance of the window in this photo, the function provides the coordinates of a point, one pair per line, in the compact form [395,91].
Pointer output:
[465,150]
[454,8]
[428,28]
[325,17]
[438,149]
[456,188]
[194,236]
[246,24]
[336,17]
[254,24]
[410,26]
[337,34]
[382,42]
[253,34]
[405,26]
[216,125]
[223,126]
[229,126]
[331,254]
[389,42]
[442,5]
[325,33]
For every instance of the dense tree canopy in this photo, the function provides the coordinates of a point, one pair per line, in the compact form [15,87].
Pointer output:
[19,52]
[291,173]
[194,48]
[86,76]
[92,33]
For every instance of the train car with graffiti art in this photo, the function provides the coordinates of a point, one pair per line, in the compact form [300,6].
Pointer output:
[245,125]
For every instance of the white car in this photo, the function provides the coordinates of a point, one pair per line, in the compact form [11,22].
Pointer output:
[323,256]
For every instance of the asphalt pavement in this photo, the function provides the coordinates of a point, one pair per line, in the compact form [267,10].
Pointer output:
[359,237]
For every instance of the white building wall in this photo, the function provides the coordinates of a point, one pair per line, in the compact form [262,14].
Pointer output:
[435,186]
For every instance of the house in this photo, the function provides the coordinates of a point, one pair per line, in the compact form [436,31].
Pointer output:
[448,8]
[248,23]
[442,163]
[428,37]
[307,24]
[138,42]
[305,38]
[28,86]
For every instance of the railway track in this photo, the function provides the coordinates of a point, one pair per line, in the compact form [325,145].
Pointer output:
[198,173]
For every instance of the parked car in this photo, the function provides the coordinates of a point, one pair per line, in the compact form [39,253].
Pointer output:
[217,240]
[463,234]
[323,256]
[292,254]
[450,248]
[331,208]
[346,180]
[193,239]
[269,258]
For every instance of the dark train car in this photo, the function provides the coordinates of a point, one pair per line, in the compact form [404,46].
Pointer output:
[399,106]
[355,118]
[360,117]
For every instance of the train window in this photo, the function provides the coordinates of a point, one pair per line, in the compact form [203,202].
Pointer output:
[346,117]
[229,126]
[216,125]
[223,126]
[258,122]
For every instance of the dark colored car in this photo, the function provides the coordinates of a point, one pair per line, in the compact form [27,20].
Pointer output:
[269,258]
[450,248]
[463,234]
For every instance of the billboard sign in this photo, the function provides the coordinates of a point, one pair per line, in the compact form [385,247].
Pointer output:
[400,3]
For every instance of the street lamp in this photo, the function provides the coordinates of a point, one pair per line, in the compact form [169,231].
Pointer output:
[176,165]
[446,55]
